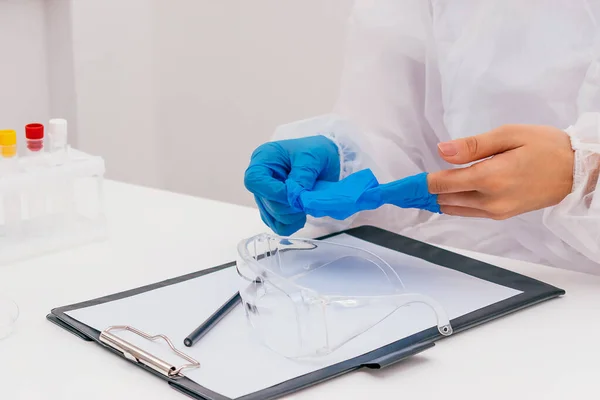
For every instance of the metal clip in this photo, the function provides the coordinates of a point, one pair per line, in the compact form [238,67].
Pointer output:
[134,353]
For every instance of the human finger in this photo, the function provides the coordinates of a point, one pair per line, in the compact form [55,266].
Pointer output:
[279,227]
[464,212]
[273,156]
[305,170]
[453,180]
[283,213]
[474,148]
[260,181]
[289,229]
[264,214]
[471,199]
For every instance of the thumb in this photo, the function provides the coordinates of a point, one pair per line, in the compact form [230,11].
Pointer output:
[478,147]
[305,170]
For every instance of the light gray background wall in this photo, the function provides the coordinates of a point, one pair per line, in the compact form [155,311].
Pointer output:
[174,94]
[24,90]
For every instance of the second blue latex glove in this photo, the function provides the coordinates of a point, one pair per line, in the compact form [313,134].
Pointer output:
[361,192]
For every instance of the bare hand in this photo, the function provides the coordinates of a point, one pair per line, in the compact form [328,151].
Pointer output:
[531,167]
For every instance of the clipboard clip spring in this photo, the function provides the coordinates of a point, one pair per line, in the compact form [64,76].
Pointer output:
[134,353]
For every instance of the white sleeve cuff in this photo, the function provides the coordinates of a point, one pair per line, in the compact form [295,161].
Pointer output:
[576,219]
[585,141]
[338,129]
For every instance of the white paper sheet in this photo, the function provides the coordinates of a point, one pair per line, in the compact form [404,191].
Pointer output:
[233,364]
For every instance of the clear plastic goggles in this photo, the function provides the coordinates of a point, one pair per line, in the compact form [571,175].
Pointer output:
[306,298]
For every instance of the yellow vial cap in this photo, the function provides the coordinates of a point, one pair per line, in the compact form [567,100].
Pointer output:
[8,137]
[8,142]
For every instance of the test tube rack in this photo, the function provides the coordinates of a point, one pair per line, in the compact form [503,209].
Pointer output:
[50,202]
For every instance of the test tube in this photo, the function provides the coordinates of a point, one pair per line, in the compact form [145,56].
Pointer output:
[36,199]
[57,130]
[34,133]
[8,149]
[64,197]
[9,165]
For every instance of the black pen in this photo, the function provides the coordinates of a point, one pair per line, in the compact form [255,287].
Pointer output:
[212,320]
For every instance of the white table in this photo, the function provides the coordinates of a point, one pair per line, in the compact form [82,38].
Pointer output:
[549,351]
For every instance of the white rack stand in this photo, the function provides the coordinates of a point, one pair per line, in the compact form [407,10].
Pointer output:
[50,203]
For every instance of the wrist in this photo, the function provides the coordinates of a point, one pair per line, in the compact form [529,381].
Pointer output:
[350,160]
[339,130]
[341,154]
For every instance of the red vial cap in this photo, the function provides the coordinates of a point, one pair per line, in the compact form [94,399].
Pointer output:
[34,131]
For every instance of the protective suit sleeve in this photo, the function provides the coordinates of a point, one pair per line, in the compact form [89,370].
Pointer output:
[576,220]
[379,121]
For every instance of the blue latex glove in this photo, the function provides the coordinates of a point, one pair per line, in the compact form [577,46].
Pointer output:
[299,161]
[360,192]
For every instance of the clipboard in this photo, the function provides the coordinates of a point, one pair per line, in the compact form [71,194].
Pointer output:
[531,292]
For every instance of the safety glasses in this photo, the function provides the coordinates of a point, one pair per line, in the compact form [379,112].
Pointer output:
[306,298]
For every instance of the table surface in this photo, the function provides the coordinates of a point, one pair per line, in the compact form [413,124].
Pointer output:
[547,351]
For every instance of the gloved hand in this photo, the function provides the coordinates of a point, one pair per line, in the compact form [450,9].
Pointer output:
[301,162]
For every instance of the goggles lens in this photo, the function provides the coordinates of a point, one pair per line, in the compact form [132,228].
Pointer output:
[306,298]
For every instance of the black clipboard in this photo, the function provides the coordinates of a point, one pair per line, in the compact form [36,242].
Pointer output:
[533,292]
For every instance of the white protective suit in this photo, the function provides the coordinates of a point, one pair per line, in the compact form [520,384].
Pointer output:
[421,72]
